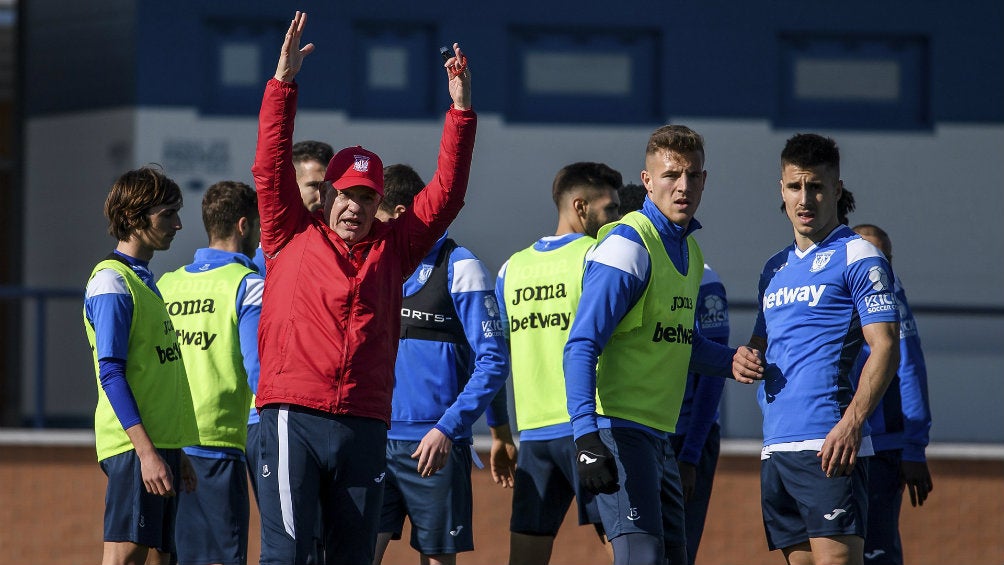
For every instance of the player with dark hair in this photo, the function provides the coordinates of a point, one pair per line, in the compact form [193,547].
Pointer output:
[586,198]
[215,303]
[819,302]
[900,429]
[331,319]
[632,197]
[144,414]
[451,362]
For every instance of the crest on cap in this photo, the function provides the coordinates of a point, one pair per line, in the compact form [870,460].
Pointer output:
[362,163]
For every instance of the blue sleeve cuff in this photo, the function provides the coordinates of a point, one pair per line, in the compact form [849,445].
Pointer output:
[112,375]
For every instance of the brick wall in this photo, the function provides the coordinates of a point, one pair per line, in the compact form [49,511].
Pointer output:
[51,504]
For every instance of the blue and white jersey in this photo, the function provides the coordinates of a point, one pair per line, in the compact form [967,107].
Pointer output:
[259,261]
[814,308]
[434,386]
[703,394]
[108,306]
[903,419]
[248,312]
[554,431]
[616,274]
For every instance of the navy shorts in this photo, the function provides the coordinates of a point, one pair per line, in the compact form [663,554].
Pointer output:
[439,506]
[212,522]
[885,498]
[309,456]
[546,483]
[800,502]
[650,498]
[131,513]
[253,460]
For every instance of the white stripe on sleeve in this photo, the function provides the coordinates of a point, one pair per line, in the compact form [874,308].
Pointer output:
[469,275]
[621,253]
[106,281]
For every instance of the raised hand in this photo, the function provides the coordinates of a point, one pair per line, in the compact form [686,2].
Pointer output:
[291,56]
[460,79]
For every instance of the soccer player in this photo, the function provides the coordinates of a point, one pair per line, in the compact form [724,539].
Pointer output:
[900,427]
[819,302]
[639,293]
[331,319]
[215,303]
[538,290]
[451,362]
[144,414]
[697,440]
[310,160]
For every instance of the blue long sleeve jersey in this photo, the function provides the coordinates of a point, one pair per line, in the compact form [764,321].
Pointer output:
[703,394]
[109,309]
[436,388]
[616,274]
[903,419]
[813,304]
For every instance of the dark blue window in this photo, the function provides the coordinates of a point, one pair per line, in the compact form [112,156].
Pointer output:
[854,82]
[395,67]
[242,57]
[565,75]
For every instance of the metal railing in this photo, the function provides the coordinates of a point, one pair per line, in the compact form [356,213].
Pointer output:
[41,298]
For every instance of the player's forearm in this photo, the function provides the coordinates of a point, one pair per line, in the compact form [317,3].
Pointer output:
[876,375]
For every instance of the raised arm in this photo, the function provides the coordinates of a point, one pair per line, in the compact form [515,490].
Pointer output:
[439,203]
[279,203]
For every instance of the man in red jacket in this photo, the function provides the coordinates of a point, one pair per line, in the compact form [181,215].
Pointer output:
[331,317]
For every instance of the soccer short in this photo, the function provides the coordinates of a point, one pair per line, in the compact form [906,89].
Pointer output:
[251,454]
[439,506]
[800,502]
[306,456]
[650,499]
[696,507]
[212,524]
[885,498]
[546,483]
[131,513]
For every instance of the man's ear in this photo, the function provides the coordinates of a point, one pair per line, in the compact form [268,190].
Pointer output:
[399,209]
[243,226]
[580,205]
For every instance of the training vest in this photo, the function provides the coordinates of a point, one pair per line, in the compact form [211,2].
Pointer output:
[641,375]
[541,292]
[203,307]
[429,314]
[155,373]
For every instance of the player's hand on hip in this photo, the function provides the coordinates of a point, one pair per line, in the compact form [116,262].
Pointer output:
[595,465]
[433,452]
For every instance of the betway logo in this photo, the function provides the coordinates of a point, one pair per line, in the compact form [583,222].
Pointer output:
[202,339]
[785,295]
[172,353]
[558,320]
[669,334]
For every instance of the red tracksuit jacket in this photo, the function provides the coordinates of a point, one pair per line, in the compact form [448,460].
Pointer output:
[330,318]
